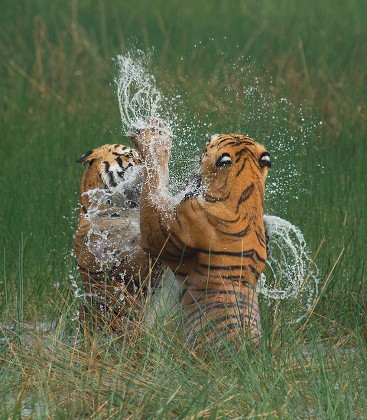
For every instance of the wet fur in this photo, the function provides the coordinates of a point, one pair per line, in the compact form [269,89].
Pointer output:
[109,225]
[214,239]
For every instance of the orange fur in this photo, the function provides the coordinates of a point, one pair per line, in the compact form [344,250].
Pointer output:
[214,239]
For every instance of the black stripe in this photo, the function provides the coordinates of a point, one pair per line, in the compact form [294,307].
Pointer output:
[165,254]
[169,256]
[245,195]
[240,318]
[184,246]
[254,270]
[222,267]
[218,219]
[248,253]
[212,199]
[242,167]
[241,299]
[250,153]
[113,183]
[181,273]
[244,321]
[222,332]
[180,250]
[218,322]
[255,158]
[240,153]
[231,278]
[204,312]
[234,279]
[211,293]
[260,238]
[230,142]
[240,234]
[221,221]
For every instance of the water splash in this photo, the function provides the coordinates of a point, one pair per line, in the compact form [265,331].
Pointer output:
[112,230]
[103,239]
[141,106]
[138,97]
[291,274]
[245,100]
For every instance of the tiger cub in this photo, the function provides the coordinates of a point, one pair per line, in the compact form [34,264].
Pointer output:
[214,239]
[115,270]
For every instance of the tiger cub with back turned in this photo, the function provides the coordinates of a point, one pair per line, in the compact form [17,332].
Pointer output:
[214,239]
[115,270]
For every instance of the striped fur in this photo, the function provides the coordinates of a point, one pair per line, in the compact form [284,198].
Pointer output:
[214,239]
[111,262]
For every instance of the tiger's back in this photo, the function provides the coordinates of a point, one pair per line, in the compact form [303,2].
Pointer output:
[215,239]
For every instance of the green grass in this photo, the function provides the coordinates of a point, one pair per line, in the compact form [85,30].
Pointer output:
[57,101]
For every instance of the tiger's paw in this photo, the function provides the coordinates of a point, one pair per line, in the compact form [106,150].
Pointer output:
[153,139]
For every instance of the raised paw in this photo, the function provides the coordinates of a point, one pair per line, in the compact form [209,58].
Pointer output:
[152,139]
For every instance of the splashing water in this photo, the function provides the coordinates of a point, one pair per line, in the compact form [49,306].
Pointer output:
[140,104]
[114,226]
[138,97]
[104,236]
[291,274]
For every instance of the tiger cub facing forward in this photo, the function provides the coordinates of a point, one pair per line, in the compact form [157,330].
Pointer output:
[115,270]
[214,239]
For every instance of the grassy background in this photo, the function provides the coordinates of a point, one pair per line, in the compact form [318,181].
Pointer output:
[57,101]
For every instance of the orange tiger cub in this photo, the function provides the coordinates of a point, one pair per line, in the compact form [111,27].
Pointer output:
[214,239]
[107,247]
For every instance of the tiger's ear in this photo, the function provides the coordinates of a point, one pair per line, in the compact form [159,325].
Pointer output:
[86,157]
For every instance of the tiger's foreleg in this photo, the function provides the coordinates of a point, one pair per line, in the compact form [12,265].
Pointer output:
[156,207]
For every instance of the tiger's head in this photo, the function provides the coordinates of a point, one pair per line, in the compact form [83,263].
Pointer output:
[114,168]
[233,165]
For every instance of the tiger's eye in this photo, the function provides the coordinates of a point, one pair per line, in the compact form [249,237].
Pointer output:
[224,160]
[265,160]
